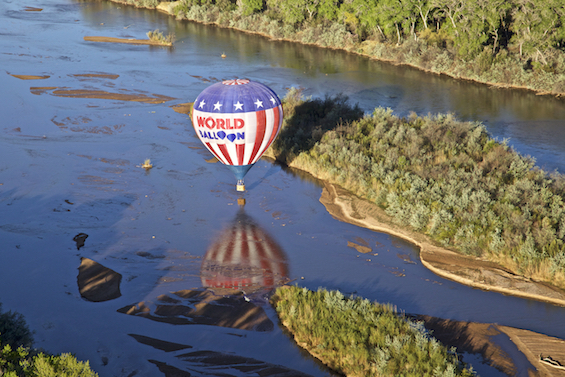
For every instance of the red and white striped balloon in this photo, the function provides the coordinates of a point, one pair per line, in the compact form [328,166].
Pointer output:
[237,120]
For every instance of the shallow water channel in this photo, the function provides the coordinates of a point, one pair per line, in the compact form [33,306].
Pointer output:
[72,141]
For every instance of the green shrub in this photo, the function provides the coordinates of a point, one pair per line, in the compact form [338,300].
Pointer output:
[251,6]
[158,36]
[64,365]
[18,359]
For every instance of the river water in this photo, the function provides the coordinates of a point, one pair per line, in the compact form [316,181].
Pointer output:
[70,165]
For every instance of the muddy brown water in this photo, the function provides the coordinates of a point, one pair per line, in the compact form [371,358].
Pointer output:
[79,118]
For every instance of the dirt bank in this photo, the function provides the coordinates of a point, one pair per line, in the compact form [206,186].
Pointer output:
[463,269]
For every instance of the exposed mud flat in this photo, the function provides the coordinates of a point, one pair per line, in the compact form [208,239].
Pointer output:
[497,344]
[30,77]
[221,363]
[183,108]
[97,283]
[100,94]
[96,75]
[203,307]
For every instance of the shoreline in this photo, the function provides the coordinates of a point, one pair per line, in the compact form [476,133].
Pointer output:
[166,7]
[489,341]
[466,270]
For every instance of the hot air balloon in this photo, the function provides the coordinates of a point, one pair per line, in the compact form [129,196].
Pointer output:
[237,120]
[244,257]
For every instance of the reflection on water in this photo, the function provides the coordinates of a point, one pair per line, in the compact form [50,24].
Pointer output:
[244,260]
[244,257]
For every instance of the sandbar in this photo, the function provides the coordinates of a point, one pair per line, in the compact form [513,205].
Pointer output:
[124,40]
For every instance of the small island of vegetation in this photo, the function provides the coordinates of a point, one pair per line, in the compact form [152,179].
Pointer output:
[436,175]
[356,337]
[163,40]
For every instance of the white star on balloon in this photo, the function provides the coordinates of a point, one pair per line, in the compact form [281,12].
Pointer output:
[217,105]
[273,100]
[258,103]
[202,103]
[238,105]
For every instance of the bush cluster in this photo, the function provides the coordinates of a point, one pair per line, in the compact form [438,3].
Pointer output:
[359,338]
[158,36]
[18,359]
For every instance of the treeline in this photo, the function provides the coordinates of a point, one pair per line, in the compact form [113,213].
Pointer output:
[519,43]
[357,337]
[533,28]
[440,176]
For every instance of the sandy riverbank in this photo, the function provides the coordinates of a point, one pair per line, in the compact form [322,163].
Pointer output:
[463,269]
[515,352]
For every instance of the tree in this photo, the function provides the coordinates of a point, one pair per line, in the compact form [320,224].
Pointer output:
[328,9]
[361,16]
[295,11]
[472,27]
[495,12]
[395,15]
[451,10]
[251,6]
[424,8]
[537,26]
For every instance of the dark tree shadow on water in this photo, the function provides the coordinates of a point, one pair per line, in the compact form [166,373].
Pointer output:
[306,122]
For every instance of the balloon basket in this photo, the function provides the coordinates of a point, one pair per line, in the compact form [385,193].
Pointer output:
[240,186]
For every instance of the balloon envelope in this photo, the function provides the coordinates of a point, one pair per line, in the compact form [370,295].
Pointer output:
[237,120]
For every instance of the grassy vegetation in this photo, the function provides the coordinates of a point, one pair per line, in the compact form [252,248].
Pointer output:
[158,37]
[440,176]
[358,338]
[18,359]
